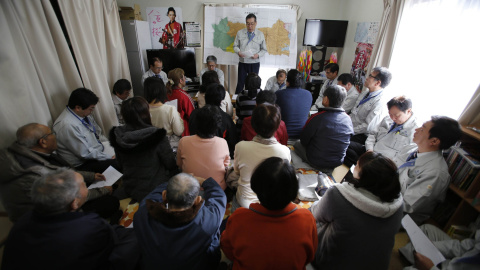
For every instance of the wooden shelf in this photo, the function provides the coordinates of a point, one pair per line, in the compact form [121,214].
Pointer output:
[465,212]
[471,133]
[470,201]
[457,191]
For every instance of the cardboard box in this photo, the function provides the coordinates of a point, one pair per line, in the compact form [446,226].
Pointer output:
[128,13]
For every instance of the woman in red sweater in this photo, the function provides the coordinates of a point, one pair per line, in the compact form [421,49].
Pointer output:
[175,84]
[275,233]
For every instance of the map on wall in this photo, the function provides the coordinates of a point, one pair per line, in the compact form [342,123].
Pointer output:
[278,25]
[366,32]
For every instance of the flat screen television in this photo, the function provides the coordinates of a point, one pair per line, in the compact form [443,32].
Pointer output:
[328,33]
[176,58]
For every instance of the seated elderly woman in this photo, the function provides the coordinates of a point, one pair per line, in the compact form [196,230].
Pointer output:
[142,150]
[359,220]
[204,154]
[275,233]
[163,115]
[211,77]
[248,154]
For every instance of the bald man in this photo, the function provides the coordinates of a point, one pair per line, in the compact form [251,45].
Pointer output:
[32,156]
[172,215]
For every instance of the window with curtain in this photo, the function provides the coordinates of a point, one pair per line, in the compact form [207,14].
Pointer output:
[436,60]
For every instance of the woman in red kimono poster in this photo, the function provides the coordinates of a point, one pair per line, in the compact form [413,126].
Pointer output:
[173,36]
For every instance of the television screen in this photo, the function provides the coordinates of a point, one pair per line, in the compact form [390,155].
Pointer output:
[176,58]
[328,33]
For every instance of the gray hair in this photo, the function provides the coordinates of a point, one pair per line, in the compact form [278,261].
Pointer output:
[212,58]
[55,191]
[182,190]
[29,134]
[384,75]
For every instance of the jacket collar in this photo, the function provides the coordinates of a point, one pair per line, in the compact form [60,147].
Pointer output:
[159,212]
[367,202]
[260,209]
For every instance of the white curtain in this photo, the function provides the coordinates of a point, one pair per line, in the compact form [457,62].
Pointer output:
[436,58]
[37,70]
[382,51]
[96,36]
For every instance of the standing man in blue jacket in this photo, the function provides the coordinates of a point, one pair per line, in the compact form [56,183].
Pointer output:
[250,46]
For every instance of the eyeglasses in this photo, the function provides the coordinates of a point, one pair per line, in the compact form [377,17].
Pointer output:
[46,135]
[371,76]
[157,67]
[250,24]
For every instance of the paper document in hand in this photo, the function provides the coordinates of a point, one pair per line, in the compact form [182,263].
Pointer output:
[247,54]
[420,241]
[111,176]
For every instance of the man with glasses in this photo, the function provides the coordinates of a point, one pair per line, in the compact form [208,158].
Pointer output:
[250,46]
[368,111]
[156,66]
[30,157]
[80,139]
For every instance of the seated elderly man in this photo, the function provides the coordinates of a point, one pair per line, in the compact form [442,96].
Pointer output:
[326,135]
[31,157]
[393,133]
[177,228]
[277,82]
[212,65]
[79,137]
[55,235]
[423,171]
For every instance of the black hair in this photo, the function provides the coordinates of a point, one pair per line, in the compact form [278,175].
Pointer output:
[171,9]
[333,67]
[378,174]
[384,76]
[251,15]
[82,97]
[209,77]
[208,119]
[252,84]
[401,102]
[121,86]
[153,60]
[280,71]
[446,129]
[336,95]
[266,119]
[154,90]
[345,78]
[266,96]
[215,94]
[136,114]
[295,79]
[275,183]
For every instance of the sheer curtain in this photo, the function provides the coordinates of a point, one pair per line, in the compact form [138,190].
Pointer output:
[436,59]
[382,52]
[37,70]
[97,40]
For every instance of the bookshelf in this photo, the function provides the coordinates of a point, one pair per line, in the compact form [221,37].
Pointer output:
[458,208]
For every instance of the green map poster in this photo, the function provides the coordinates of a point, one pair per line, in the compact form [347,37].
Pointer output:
[278,25]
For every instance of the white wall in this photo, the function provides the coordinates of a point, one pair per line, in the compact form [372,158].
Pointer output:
[352,10]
